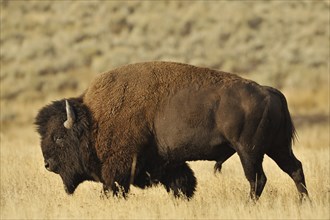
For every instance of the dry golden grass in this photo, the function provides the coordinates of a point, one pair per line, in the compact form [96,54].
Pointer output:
[28,191]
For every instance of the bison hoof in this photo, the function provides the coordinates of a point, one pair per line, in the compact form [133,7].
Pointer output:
[180,180]
[181,193]
[104,194]
[217,167]
[115,191]
[143,180]
[304,198]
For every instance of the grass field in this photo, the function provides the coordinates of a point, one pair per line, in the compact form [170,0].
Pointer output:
[29,191]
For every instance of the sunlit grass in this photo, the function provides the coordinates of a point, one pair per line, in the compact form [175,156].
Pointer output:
[29,191]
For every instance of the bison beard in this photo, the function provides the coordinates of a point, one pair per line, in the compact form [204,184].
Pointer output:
[72,181]
[164,114]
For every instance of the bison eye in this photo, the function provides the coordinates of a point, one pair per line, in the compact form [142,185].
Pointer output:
[58,139]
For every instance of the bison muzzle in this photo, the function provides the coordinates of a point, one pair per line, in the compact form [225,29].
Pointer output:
[139,124]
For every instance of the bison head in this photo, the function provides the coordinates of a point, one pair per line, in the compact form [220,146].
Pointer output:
[64,127]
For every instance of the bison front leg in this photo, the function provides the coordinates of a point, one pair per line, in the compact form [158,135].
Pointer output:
[118,189]
[180,180]
[114,191]
[116,176]
[254,173]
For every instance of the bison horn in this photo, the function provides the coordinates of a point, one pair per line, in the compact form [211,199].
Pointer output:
[69,115]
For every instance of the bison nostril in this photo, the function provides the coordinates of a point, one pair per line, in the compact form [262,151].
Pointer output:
[47,165]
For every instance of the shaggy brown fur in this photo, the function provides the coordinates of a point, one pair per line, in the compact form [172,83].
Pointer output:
[134,93]
[166,113]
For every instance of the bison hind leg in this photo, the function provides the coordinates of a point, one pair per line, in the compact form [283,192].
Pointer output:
[225,151]
[287,161]
[142,180]
[180,180]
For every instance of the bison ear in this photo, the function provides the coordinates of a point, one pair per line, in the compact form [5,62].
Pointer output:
[70,117]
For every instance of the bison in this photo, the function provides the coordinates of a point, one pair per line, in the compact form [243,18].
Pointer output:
[140,123]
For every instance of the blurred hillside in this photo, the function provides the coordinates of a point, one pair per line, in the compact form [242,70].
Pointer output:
[52,49]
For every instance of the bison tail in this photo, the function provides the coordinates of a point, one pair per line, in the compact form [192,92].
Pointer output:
[287,123]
